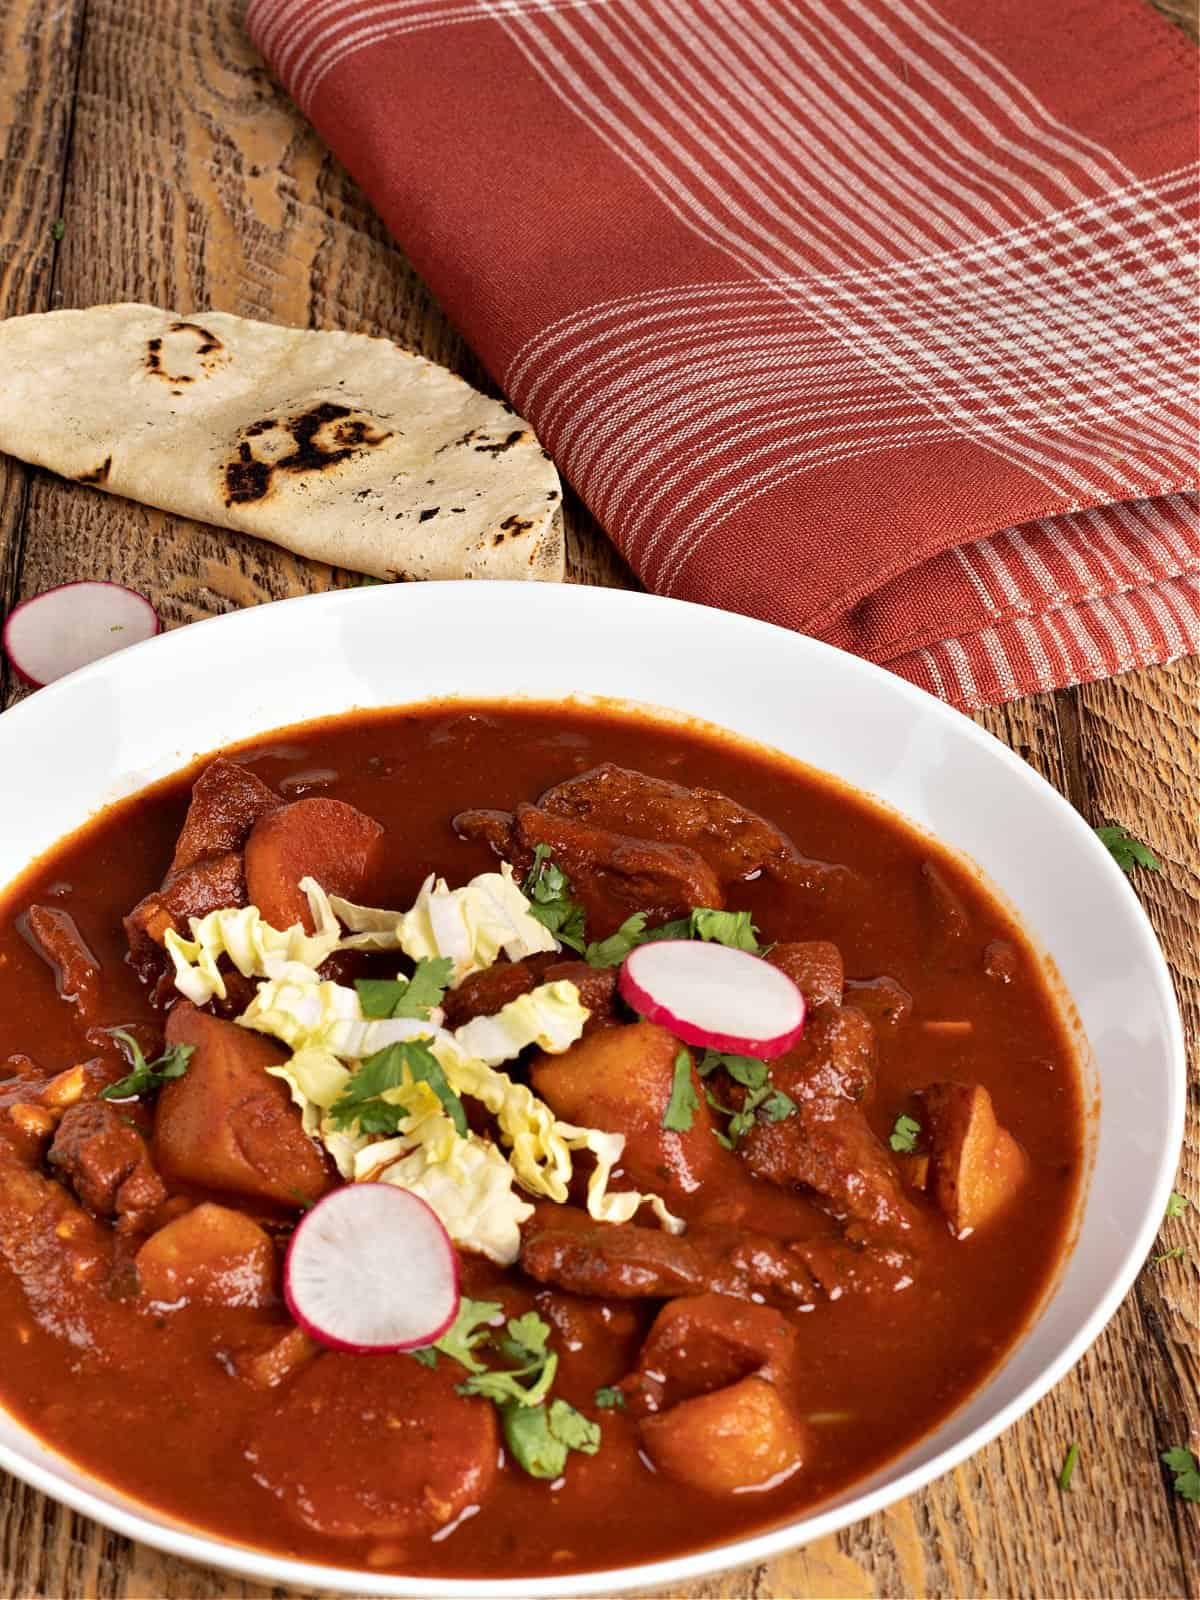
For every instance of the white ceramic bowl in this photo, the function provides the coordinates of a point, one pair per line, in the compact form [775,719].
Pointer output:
[139,715]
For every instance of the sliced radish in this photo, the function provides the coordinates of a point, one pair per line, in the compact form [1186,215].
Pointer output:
[715,996]
[64,628]
[371,1269]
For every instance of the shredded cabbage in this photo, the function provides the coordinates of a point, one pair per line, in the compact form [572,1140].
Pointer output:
[307,1012]
[256,949]
[470,925]
[550,1016]
[467,1182]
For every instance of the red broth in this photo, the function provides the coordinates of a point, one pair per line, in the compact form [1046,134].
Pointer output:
[147,1401]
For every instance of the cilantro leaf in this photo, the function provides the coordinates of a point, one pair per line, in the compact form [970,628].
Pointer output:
[528,1335]
[1183,1464]
[1068,1468]
[57,231]
[470,1328]
[575,1430]
[1177,1204]
[733,928]
[426,1355]
[504,1387]
[612,951]
[408,1061]
[1125,850]
[746,1070]
[904,1135]
[1177,1254]
[548,890]
[541,1437]
[147,1076]
[610,1399]
[406,997]
[722,927]
[684,1103]
[778,1106]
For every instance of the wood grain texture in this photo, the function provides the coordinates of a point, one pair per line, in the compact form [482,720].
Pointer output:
[184,178]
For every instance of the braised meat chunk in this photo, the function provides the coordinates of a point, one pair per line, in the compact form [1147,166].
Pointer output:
[76,970]
[105,1158]
[612,874]
[827,1145]
[227,800]
[207,872]
[735,842]
[626,1261]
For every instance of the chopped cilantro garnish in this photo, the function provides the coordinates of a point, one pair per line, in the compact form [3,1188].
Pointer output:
[1068,1468]
[548,890]
[146,1075]
[725,927]
[904,1135]
[361,1103]
[1177,1204]
[683,1104]
[722,927]
[57,231]
[609,1399]
[755,1077]
[470,1328]
[539,1432]
[746,1070]
[1182,1463]
[1177,1254]
[1125,850]
[406,997]
[612,951]
[541,1437]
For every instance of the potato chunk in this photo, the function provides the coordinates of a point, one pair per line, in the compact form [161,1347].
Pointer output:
[976,1167]
[733,1440]
[211,1255]
[225,1124]
[619,1079]
[328,840]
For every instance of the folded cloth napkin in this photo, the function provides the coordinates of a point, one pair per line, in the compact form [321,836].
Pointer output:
[874,318]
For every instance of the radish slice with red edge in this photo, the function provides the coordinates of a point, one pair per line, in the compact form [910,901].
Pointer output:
[371,1269]
[61,629]
[714,996]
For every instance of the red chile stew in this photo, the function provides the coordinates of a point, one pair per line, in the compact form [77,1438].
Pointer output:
[862,1249]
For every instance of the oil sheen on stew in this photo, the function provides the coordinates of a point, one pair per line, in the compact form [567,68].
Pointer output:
[846,1279]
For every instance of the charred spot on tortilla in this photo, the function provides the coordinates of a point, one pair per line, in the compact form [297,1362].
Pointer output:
[208,341]
[516,525]
[97,474]
[505,444]
[207,344]
[430,511]
[322,437]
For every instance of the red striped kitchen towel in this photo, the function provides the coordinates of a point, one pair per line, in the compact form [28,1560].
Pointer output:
[875,318]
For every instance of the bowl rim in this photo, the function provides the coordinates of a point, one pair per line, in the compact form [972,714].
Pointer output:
[210,1549]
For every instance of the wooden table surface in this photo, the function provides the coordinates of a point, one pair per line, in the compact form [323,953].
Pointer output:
[185,178]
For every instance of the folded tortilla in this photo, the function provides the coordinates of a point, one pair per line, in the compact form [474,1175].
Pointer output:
[338,446]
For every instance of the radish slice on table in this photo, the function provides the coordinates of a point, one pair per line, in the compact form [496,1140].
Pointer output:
[64,628]
[715,996]
[371,1269]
